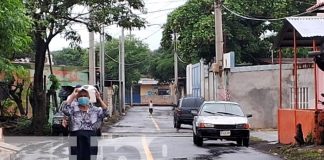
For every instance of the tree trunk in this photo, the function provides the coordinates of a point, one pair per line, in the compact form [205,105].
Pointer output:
[39,107]
[16,95]
[18,101]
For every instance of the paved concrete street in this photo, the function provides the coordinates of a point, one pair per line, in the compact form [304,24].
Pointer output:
[141,136]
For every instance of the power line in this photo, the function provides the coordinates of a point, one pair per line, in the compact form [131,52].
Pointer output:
[126,64]
[160,10]
[262,19]
[174,1]
[181,60]
[151,34]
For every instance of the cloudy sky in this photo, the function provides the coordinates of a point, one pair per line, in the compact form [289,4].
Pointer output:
[151,35]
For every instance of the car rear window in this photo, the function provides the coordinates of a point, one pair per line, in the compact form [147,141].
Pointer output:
[191,103]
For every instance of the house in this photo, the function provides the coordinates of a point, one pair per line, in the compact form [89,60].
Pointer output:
[159,93]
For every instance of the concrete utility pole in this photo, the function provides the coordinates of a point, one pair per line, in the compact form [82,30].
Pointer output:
[92,69]
[175,66]
[122,72]
[102,60]
[123,68]
[218,65]
[92,59]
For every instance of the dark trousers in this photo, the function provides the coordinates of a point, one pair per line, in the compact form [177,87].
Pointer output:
[151,110]
[85,148]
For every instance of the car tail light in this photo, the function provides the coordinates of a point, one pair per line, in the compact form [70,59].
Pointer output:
[179,111]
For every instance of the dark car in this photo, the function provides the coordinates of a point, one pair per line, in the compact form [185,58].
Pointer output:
[60,122]
[182,112]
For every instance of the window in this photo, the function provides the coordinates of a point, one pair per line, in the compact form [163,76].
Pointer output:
[163,92]
[214,108]
[303,98]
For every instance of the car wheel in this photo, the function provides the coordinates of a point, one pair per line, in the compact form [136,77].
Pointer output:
[178,125]
[198,141]
[65,131]
[174,123]
[239,142]
[55,131]
[246,142]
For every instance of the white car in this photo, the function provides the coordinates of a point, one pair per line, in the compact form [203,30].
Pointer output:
[221,120]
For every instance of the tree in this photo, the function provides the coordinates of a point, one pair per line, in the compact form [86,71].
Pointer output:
[15,77]
[137,59]
[14,28]
[162,66]
[70,56]
[53,17]
[14,39]
[194,22]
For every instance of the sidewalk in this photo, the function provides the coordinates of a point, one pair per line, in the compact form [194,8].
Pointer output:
[270,136]
[7,151]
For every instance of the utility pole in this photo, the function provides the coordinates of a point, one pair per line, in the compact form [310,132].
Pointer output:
[102,60]
[175,66]
[92,59]
[122,72]
[123,68]
[218,65]
[104,91]
[92,70]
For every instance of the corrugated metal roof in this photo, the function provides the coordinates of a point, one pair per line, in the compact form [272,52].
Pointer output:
[308,26]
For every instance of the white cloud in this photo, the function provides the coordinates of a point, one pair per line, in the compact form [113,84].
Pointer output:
[151,35]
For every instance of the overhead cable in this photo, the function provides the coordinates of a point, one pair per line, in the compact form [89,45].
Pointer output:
[181,59]
[131,64]
[262,19]
[151,34]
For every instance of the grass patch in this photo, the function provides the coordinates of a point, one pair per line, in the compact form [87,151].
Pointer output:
[293,152]
[255,139]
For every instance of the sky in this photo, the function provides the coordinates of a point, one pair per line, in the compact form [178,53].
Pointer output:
[151,35]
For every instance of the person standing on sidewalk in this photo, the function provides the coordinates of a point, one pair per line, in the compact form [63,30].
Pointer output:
[151,107]
[85,120]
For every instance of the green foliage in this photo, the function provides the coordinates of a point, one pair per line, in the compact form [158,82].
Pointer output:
[10,70]
[55,82]
[309,140]
[194,22]
[70,57]
[7,68]
[137,58]
[14,28]
[162,66]
[8,107]
[23,122]
[22,73]
[60,15]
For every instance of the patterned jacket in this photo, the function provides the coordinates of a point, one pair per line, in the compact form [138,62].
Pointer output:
[84,120]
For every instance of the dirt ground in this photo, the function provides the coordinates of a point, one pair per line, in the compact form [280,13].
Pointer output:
[290,152]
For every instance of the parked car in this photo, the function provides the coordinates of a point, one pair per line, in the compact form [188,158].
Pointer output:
[60,122]
[221,120]
[182,112]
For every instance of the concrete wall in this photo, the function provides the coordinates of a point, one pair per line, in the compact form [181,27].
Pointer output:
[67,75]
[149,92]
[157,99]
[256,88]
